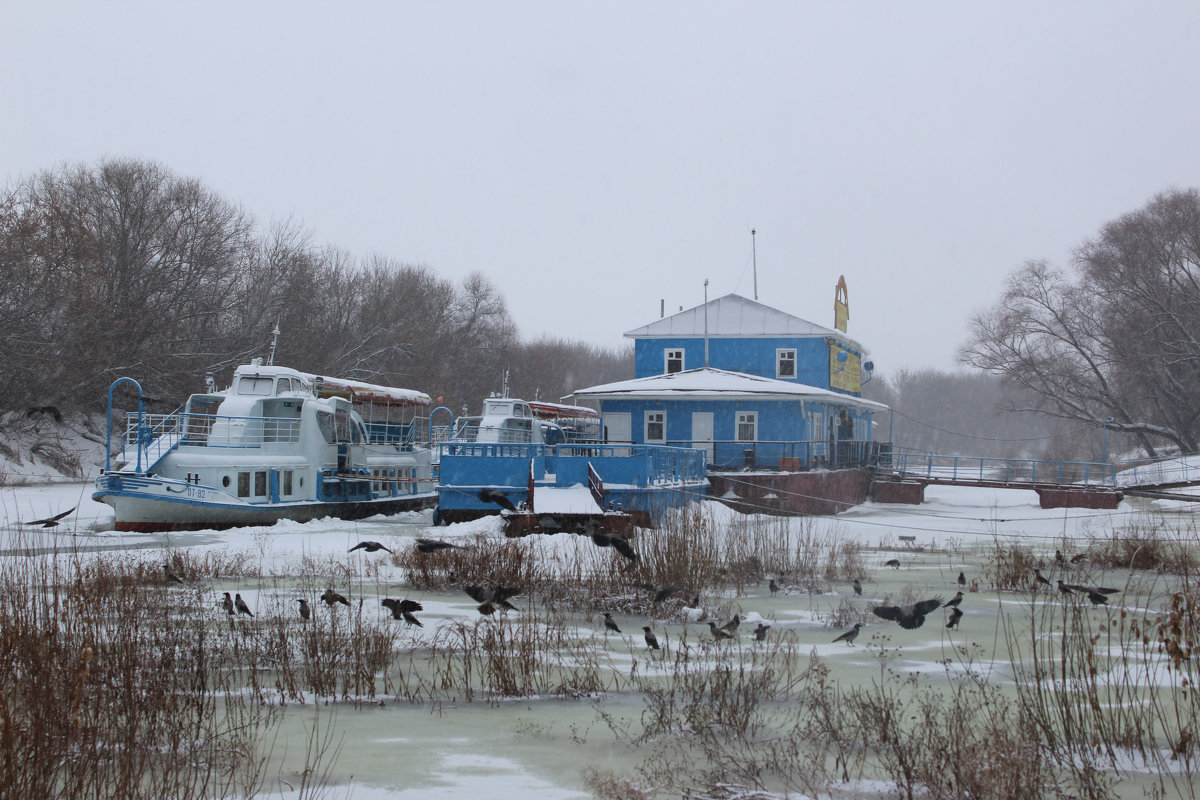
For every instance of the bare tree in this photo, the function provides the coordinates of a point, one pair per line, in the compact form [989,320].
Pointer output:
[1118,343]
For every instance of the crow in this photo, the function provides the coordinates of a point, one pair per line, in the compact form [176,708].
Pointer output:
[651,639]
[609,624]
[433,545]
[227,604]
[660,592]
[773,587]
[402,609]
[330,597]
[718,633]
[894,563]
[370,547]
[1086,589]
[487,609]
[497,596]
[732,626]
[305,612]
[618,543]
[1062,587]
[50,522]
[849,636]
[955,615]
[1097,598]
[954,601]
[760,633]
[498,497]
[171,576]
[241,606]
[912,616]
[1075,559]
[1037,573]
[857,587]
[962,579]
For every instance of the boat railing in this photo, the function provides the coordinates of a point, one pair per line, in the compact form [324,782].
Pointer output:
[787,455]
[159,432]
[638,464]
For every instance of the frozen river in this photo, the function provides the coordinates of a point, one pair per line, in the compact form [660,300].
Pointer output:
[541,747]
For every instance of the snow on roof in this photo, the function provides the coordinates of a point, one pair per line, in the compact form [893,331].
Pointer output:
[734,315]
[355,391]
[718,384]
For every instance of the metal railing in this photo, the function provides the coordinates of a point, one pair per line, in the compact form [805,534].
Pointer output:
[1015,471]
[787,456]
[1159,471]
[157,433]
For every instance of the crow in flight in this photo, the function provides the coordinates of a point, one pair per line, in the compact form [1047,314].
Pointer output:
[433,545]
[49,522]
[911,616]
[402,609]
[498,497]
[370,547]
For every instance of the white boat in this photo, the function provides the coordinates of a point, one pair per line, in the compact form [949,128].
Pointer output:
[277,444]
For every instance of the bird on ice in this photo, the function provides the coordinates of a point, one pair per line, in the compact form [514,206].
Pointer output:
[402,609]
[241,606]
[760,633]
[910,616]
[609,624]
[849,636]
[955,615]
[305,611]
[718,633]
[227,604]
[651,639]
[962,579]
[857,587]
[955,601]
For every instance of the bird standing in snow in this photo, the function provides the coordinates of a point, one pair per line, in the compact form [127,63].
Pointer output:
[241,606]
[305,611]
[857,587]
[227,604]
[609,625]
[955,615]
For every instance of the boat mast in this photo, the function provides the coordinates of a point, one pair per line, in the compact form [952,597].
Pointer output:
[274,342]
[754,255]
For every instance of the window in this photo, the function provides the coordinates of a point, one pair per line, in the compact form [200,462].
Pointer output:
[255,386]
[747,426]
[673,361]
[260,484]
[785,363]
[243,484]
[656,426]
[287,481]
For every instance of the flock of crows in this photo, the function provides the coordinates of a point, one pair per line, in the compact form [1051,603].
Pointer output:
[913,615]
[496,598]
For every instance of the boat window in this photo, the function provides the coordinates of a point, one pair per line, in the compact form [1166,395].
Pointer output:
[287,481]
[243,484]
[325,425]
[254,385]
[260,484]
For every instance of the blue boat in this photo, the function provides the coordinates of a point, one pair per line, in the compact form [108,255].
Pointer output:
[513,459]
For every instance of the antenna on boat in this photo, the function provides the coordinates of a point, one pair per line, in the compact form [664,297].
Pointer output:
[754,255]
[706,323]
[274,342]
[506,383]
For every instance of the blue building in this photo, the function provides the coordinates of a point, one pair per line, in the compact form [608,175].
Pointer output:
[752,386]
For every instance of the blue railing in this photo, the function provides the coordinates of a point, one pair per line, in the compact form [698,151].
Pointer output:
[790,456]
[1017,471]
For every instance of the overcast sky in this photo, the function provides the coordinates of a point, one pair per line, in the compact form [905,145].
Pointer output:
[594,158]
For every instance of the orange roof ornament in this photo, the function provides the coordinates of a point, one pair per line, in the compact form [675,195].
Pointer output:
[841,304]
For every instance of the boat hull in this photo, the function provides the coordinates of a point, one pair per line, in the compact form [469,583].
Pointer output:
[813,492]
[149,504]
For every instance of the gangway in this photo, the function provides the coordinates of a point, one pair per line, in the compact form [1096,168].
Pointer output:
[900,476]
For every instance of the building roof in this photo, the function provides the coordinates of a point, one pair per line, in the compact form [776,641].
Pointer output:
[718,384]
[733,316]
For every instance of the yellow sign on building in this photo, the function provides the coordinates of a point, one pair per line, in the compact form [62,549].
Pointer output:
[841,304]
[844,369]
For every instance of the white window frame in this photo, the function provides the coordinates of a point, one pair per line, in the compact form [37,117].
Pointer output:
[779,360]
[748,418]
[648,419]
[674,353]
